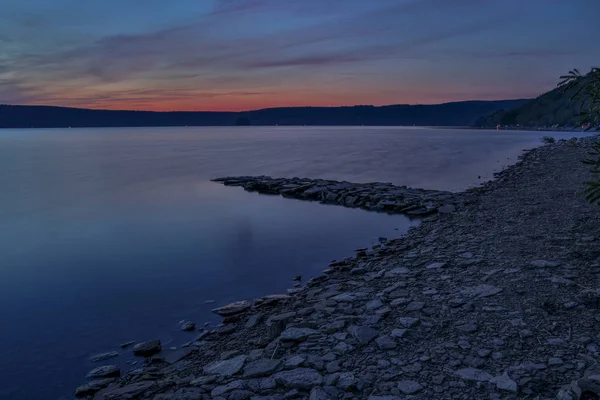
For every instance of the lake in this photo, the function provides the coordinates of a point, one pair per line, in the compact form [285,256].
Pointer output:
[112,235]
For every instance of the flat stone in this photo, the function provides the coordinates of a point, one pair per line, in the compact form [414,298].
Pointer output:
[92,387]
[473,374]
[363,334]
[415,306]
[253,321]
[129,391]
[347,381]
[504,382]
[103,356]
[297,334]
[481,291]
[222,389]
[299,378]
[545,264]
[226,367]
[398,271]
[105,371]
[408,322]
[294,362]
[467,328]
[203,380]
[409,387]
[188,326]
[373,304]
[398,333]
[436,265]
[385,343]
[260,368]
[318,393]
[147,349]
[233,308]
[446,209]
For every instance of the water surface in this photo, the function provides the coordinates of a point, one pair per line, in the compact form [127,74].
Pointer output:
[111,235]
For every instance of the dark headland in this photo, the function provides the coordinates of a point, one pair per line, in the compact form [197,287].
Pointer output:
[464,113]
[495,295]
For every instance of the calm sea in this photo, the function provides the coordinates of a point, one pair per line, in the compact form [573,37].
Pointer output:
[112,235]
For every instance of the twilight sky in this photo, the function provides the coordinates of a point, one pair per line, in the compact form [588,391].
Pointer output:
[247,54]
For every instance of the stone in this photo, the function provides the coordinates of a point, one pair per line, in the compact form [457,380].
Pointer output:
[188,326]
[253,321]
[233,308]
[131,391]
[373,304]
[220,390]
[203,380]
[299,378]
[473,374]
[409,387]
[384,398]
[103,356]
[504,382]
[346,381]
[481,291]
[105,371]
[385,343]
[296,334]
[226,367]
[318,393]
[147,349]
[467,328]
[260,368]
[93,386]
[408,322]
[363,334]
[545,264]
[398,333]
[446,209]
[436,265]
[294,362]
[415,306]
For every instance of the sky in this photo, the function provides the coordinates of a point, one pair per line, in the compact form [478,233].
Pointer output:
[234,55]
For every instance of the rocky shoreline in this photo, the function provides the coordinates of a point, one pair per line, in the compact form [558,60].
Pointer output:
[496,299]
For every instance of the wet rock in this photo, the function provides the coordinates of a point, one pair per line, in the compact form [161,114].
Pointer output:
[504,382]
[233,308]
[260,368]
[188,326]
[104,356]
[147,349]
[473,374]
[92,387]
[409,387]
[363,334]
[105,371]
[297,334]
[129,391]
[299,378]
[228,367]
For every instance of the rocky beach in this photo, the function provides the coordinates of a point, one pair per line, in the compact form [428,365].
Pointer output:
[495,295]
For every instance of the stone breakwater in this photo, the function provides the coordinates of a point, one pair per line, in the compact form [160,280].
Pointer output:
[497,300]
[377,196]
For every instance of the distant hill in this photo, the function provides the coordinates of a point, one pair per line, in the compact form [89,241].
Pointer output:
[550,109]
[464,113]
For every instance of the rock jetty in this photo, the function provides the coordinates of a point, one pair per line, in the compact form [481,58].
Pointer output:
[498,300]
[382,197]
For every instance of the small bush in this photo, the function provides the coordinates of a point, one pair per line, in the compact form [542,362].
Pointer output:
[548,139]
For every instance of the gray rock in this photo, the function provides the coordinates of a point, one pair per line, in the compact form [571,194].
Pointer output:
[408,322]
[147,349]
[467,328]
[299,378]
[92,387]
[203,380]
[346,381]
[385,343]
[503,382]
[131,391]
[415,306]
[294,362]
[297,334]
[384,398]
[220,390]
[398,333]
[473,374]
[105,371]
[409,387]
[318,393]
[233,308]
[373,304]
[545,264]
[363,334]
[225,367]
[446,209]
[103,356]
[262,367]
[253,321]
[436,265]
[188,326]
[481,291]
